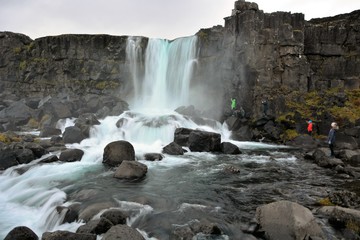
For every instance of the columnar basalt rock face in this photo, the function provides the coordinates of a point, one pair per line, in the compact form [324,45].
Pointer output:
[261,55]
[332,46]
[256,55]
[76,64]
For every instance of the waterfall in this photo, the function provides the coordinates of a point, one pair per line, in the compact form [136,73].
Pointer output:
[168,68]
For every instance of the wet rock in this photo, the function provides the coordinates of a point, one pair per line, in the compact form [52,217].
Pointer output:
[153,156]
[85,122]
[173,149]
[229,148]
[71,155]
[90,211]
[122,232]
[8,159]
[116,152]
[115,216]
[24,155]
[73,134]
[131,170]
[37,149]
[18,112]
[181,136]
[202,141]
[21,233]
[287,220]
[71,213]
[61,235]
[49,131]
[98,226]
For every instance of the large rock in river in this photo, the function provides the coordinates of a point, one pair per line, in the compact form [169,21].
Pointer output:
[131,170]
[21,233]
[202,141]
[122,232]
[116,152]
[287,220]
[197,140]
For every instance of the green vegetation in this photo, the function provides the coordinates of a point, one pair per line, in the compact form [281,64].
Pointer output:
[342,105]
[106,85]
[9,139]
[289,134]
[351,110]
[326,202]
[17,50]
[22,65]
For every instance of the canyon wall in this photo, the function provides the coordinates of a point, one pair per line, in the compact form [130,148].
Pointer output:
[254,56]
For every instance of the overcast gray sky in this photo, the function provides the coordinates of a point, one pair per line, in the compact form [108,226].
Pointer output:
[151,18]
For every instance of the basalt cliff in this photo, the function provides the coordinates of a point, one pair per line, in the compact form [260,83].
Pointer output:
[275,56]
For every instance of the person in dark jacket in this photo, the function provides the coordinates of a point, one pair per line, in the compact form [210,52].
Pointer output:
[331,138]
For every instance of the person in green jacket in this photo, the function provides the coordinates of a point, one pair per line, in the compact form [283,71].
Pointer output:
[233,104]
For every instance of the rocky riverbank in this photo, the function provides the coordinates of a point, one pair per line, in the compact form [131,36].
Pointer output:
[341,207]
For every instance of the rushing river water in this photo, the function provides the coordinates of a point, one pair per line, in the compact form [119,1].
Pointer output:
[177,191]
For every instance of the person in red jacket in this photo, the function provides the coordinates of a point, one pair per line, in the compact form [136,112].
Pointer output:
[310,127]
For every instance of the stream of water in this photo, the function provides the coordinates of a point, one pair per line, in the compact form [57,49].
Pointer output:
[177,191]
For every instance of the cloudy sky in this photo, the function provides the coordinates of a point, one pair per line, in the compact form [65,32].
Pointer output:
[151,18]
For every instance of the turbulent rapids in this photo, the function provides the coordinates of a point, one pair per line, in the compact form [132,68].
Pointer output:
[177,191]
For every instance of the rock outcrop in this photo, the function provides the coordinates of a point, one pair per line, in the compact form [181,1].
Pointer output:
[255,55]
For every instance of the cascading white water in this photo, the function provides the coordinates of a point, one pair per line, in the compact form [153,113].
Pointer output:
[161,84]
[168,71]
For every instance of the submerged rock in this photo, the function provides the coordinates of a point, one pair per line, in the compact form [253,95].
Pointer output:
[131,170]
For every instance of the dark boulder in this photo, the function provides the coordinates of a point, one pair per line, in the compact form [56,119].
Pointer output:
[305,141]
[122,232]
[21,233]
[116,152]
[173,149]
[7,159]
[85,122]
[71,213]
[49,131]
[50,159]
[345,142]
[131,170]
[98,226]
[36,148]
[244,133]
[322,159]
[62,235]
[229,148]
[57,107]
[181,136]
[73,134]
[18,113]
[115,216]
[202,141]
[153,156]
[24,156]
[71,155]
